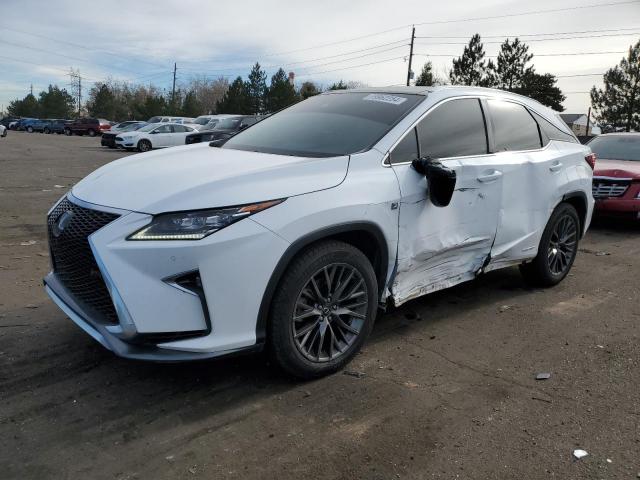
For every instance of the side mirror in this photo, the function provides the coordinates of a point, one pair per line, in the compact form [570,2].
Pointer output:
[441,180]
[217,143]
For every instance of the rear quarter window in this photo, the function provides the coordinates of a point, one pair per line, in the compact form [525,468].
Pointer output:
[513,126]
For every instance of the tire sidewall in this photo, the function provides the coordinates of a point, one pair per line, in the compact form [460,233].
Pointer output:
[144,142]
[281,331]
[562,211]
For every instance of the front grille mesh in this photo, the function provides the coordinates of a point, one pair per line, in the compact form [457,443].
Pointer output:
[608,188]
[73,261]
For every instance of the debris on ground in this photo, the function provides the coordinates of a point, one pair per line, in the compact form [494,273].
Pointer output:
[504,308]
[578,453]
[28,243]
[58,186]
[353,373]
[602,254]
[543,376]
[31,305]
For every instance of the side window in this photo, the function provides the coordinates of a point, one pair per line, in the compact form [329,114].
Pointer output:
[406,150]
[513,126]
[552,132]
[163,129]
[180,129]
[454,129]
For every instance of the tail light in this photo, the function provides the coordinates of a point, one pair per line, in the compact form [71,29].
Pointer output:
[591,160]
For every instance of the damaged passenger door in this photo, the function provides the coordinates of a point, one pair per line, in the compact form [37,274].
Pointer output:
[451,191]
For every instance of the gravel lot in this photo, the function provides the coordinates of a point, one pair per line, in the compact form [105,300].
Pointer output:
[445,387]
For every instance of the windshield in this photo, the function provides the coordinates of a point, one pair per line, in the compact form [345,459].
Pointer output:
[327,125]
[132,126]
[228,124]
[617,147]
[154,119]
[201,120]
[147,128]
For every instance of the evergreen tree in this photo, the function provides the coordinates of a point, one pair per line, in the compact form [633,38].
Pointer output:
[27,107]
[618,104]
[190,105]
[257,89]
[338,86]
[470,68]
[308,89]
[511,68]
[56,103]
[543,89]
[281,93]
[236,99]
[102,102]
[426,77]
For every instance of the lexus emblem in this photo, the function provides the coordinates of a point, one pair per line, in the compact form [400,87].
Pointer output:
[61,223]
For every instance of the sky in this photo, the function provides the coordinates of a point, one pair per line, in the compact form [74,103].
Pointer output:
[357,40]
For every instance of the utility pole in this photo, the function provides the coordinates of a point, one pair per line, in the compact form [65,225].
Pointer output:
[31,90]
[409,72]
[173,90]
[79,93]
[588,120]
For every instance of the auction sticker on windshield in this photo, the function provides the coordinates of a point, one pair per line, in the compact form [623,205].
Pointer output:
[379,97]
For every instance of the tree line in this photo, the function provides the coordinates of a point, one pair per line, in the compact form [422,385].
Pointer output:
[616,104]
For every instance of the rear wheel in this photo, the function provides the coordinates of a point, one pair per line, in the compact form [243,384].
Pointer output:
[323,310]
[557,250]
[67,132]
[47,131]
[91,132]
[30,129]
[144,145]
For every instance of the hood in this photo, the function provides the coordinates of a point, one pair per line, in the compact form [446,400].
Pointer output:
[199,176]
[617,168]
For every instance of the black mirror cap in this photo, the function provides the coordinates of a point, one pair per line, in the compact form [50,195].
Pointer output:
[218,142]
[441,180]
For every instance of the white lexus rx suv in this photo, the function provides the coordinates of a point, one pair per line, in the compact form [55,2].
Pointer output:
[294,232]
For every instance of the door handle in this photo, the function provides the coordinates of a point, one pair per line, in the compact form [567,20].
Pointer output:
[555,167]
[490,177]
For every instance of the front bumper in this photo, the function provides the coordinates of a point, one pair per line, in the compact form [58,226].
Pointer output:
[160,321]
[627,205]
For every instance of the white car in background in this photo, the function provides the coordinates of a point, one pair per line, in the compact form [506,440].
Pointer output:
[154,135]
[207,122]
[181,120]
[3,131]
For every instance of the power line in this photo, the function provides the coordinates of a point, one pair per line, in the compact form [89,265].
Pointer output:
[352,66]
[3,27]
[535,39]
[535,34]
[535,55]
[329,56]
[531,12]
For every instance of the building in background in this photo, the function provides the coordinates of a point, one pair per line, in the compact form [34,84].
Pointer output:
[577,122]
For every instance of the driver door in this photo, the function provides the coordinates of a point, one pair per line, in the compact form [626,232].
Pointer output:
[442,245]
[162,136]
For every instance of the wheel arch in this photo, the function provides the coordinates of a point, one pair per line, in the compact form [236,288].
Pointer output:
[365,236]
[578,200]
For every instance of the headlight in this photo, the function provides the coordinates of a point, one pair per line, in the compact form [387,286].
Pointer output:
[197,224]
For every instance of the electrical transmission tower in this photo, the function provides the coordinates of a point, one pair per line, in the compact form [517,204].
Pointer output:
[76,87]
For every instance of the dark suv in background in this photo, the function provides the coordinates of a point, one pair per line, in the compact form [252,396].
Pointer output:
[224,129]
[90,126]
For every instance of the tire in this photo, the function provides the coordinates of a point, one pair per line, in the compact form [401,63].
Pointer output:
[557,250]
[47,131]
[30,129]
[305,347]
[144,146]
[67,132]
[91,132]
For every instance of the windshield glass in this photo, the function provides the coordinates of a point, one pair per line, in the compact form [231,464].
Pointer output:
[201,120]
[132,126]
[154,119]
[228,124]
[617,147]
[327,125]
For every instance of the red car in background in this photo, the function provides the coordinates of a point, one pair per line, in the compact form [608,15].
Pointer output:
[616,177]
[90,126]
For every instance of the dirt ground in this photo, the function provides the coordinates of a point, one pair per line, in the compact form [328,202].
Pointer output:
[445,387]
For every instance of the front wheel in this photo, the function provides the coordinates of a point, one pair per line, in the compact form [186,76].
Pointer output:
[92,133]
[557,250]
[323,311]
[47,131]
[30,129]
[144,146]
